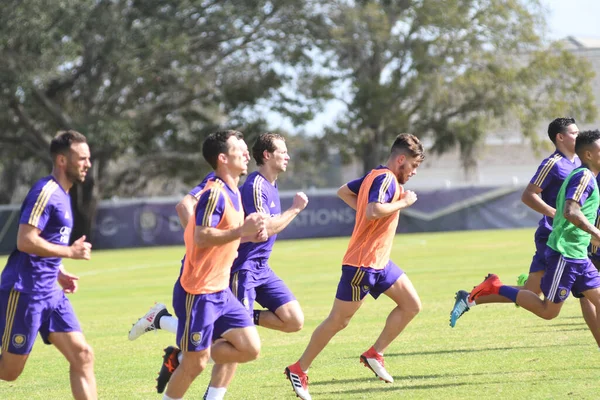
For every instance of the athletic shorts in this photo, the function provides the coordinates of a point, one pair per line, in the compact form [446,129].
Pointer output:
[256,281]
[357,282]
[203,318]
[23,315]
[566,275]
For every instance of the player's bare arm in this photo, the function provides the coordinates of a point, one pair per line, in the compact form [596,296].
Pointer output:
[279,222]
[532,199]
[30,241]
[377,210]
[348,196]
[185,209]
[205,236]
[572,212]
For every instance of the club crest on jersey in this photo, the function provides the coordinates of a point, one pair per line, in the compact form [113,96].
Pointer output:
[196,338]
[18,340]
[563,294]
[365,288]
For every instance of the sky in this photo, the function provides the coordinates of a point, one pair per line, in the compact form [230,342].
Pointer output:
[573,18]
[565,18]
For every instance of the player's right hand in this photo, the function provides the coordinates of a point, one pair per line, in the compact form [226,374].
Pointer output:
[81,250]
[253,224]
[300,201]
[409,197]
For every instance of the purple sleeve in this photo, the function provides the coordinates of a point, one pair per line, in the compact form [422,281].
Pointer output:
[196,191]
[354,185]
[255,198]
[383,189]
[210,208]
[580,186]
[37,207]
[545,173]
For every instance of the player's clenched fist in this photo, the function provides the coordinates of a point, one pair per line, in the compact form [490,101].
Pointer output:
[300,201]
[253,224]
[81,250]
[409,197]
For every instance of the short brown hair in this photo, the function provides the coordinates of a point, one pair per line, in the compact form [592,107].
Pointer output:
[263,142]
[408,144]
[216,143]
[61,144]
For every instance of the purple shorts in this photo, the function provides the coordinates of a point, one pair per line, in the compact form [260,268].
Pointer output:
[257,281]
[23,315]
[538,263]
[565,275]
[203,318]
[356,283]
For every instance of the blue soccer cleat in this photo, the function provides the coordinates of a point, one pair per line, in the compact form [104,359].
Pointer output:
[460,306]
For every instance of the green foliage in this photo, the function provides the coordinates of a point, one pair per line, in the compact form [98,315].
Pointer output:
[450,71]
[497,351]
[145,81]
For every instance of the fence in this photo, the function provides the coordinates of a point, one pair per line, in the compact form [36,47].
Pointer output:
[154,222]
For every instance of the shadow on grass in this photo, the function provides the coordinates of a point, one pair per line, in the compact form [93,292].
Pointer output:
[462,351]
[372,378]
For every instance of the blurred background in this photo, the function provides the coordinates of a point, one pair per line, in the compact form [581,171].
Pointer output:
[477,80]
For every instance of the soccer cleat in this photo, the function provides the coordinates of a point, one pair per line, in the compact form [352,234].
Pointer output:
[490,285]
[522,279]
[148,322]
[372,360]
[170,362]
[299,381]
[460,307]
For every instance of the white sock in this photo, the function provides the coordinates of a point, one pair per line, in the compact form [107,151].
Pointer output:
[165,397]
[169,324]
[180,356]
[469,303]
[213,393]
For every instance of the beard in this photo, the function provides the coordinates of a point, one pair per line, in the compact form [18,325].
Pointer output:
[74,176]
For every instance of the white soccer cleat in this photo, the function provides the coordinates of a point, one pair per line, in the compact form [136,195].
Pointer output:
[148,322]
[372,360]
[299,381]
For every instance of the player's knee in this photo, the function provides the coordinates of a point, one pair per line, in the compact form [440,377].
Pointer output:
[192,366]
[339,323]
[250,352]
[83,357]
[294,324]
[413,308]
[549,313]
[11,374]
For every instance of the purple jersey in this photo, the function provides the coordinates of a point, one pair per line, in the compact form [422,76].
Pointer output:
[549,177]
[258,195]
[48,208]
[381,191]
[211,205]
[196,191]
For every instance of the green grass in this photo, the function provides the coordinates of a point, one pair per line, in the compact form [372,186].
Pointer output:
[495,352]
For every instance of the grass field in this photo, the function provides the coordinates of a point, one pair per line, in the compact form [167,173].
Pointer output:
[495,352]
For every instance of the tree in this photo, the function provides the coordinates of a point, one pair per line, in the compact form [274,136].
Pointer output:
[448,70]
[145,81]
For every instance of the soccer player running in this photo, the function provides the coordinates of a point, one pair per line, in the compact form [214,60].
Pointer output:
[251,278]
[205,307]
[30,299]
[366,268]
[568,268]
[539,195]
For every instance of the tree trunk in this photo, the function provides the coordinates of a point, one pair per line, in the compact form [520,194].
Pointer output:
[84,202]
[9,179]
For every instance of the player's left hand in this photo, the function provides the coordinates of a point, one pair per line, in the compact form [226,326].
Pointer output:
[67,281]
[262,236]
